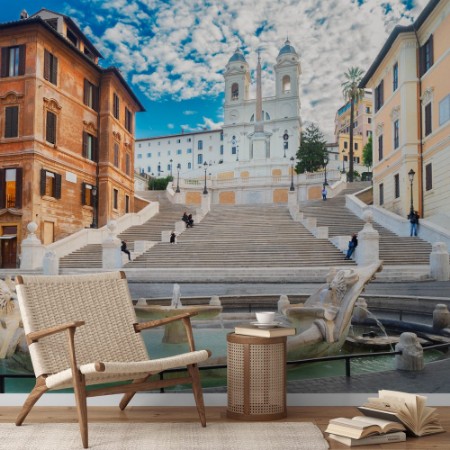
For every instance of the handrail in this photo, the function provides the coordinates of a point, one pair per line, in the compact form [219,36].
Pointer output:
[347,359]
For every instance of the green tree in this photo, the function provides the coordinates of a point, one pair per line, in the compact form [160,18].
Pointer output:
[367,154]
[352,94]
[159,184]
[312,152]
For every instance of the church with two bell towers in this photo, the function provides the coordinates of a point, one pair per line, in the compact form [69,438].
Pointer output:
[262,128]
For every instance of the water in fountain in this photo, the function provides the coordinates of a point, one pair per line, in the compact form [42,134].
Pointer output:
[176,302]
[379,324]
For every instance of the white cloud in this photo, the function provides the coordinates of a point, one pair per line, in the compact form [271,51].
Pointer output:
[179,48]
[189,112]
[171,126]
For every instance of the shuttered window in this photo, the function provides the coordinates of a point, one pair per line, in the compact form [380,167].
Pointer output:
[11,122]
[428,177]
[426,56]
[128,120]
[116,154]
[397,185]
[116,106]
[89,146]
[428,119]
[11,188]
[50,67]
[90,97]
[380,147]
[12,61]
[87,194]
[50,184]
[127,164]
[379,96]
[50,128]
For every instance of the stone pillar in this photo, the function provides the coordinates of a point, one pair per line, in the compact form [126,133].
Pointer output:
[441,317]
[215,301]
[32,249]
[360,311]
[412,353]
[111,253]
[439,262]
[50,264]
[206,203]
[368,250]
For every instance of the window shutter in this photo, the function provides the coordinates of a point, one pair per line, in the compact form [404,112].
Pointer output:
[95,98]
[431,50]
[46,65]
[54,75]
[11,121]
[2,189]
[381,93]
[19,188]
[51,128]
[95,149]
[86,92]
[83,193]
[57,185]
[5,62]
[85,144]
[22,56]
[43,180]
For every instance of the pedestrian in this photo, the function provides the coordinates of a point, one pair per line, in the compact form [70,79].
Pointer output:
[125,250]
[185,218]
[190,222]
[353,243]
[172,237]
[324,193]
[413,217]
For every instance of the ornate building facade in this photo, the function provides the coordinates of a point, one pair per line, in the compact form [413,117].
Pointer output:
[66,133]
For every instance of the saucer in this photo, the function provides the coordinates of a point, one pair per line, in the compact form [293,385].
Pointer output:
[266,325]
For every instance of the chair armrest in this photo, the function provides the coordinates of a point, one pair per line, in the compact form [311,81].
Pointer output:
[157,323]
[34,336]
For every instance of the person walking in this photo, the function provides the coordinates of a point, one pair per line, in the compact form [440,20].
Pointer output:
[324,193]
[172,237]
[413,217]
[352,245]
[123,247]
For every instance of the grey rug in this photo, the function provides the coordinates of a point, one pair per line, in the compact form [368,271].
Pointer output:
[165,436]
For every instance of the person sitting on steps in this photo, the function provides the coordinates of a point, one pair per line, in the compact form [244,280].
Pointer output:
[123,247]
[185,218]
[190,222]
[352,245]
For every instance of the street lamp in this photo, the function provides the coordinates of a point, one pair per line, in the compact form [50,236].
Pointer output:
[285,142]
[171,169]
[178,178]
[205,165]
[411,174]
[292,188]
[325,163]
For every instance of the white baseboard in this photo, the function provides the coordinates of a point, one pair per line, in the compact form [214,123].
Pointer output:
[176,399]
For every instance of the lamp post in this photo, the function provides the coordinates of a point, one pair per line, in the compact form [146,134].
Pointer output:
[285,142]
[205,165]
[292,188]
[325,163]
[411,174]
[153,182]
[178,178]
[171,161]
[237,152]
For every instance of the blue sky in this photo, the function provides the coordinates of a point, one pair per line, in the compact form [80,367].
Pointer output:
[173,52]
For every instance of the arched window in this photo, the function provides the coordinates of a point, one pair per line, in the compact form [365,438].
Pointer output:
[286,84]
[234,91]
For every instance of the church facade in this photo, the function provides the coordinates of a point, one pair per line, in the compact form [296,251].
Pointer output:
[262,128]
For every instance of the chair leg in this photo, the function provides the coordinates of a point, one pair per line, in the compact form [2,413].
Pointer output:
[198,393]
[39,389]
[129,395]
[79,387]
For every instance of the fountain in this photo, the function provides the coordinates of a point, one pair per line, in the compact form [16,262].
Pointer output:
[323,321]
[174,332]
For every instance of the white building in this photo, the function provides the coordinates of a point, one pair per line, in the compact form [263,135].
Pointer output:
[264,128]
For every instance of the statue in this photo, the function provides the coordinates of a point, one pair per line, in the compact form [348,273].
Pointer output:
[323,321]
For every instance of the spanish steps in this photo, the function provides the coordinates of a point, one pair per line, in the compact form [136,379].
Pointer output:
[394,250]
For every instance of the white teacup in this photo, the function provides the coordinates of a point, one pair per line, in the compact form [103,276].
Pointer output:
[265,317]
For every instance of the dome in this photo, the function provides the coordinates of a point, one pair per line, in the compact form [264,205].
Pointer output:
[237,56]
[287,48]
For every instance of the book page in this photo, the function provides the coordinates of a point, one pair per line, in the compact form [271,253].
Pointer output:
[383,424]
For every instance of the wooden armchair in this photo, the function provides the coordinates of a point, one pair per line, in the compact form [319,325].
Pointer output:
[82,330]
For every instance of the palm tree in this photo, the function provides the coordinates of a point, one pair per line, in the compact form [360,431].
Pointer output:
[352,93]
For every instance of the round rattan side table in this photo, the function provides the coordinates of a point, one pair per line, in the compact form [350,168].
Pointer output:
[256,377]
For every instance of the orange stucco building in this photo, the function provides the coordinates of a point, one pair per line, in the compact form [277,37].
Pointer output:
[66,133]
[410,79]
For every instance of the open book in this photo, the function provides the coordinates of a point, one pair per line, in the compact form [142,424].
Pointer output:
[398,436]
[409,409]
[362,426]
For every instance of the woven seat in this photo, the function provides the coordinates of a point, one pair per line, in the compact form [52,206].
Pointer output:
[82,330]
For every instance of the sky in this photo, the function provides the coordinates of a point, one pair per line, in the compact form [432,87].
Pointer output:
[173,52]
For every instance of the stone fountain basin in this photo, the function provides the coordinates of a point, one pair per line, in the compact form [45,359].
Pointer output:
[175,332]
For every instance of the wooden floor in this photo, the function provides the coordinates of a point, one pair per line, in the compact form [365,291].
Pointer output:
[318,415]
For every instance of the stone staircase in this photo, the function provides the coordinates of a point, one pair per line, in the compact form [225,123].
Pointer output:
[260,236]
[394,250]
[90,256]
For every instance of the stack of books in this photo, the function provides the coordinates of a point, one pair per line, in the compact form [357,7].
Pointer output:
[254,329]
[386,419]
